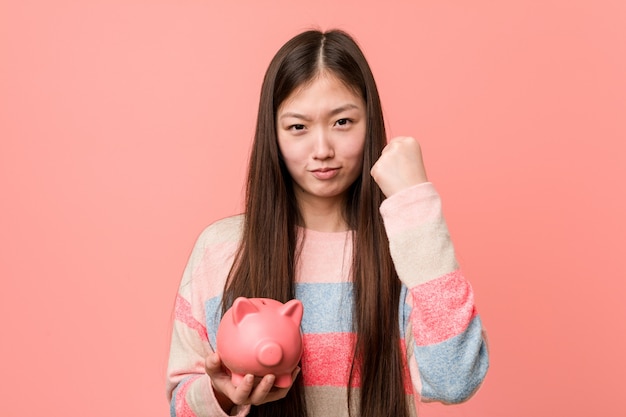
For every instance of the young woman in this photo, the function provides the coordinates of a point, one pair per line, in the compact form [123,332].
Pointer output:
[349,225]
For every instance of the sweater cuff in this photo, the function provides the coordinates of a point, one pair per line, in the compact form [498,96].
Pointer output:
[237,410]
[411,208]
[419,242]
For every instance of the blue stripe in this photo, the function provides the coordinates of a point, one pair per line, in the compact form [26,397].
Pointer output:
[327,307]
[213,314]
[453,369]
[173,404]
[174,394]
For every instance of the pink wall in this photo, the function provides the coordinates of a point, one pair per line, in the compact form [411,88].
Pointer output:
[124,130]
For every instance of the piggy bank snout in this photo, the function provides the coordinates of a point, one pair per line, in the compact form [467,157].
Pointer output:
[269,353]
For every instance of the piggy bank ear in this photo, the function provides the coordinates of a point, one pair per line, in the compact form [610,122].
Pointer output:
[241,308]
[293,309]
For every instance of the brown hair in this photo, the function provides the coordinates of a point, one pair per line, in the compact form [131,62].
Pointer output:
[265,262]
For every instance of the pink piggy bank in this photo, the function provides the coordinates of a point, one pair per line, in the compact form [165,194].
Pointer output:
[261,336]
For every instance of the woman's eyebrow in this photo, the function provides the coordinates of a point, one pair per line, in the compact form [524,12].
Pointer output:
[343,108]
[333,112]
[295,115]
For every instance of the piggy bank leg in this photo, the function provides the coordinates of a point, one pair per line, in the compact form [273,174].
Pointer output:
[236,379]
[283,381]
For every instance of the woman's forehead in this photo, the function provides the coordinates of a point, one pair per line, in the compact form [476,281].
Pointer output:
[324,91]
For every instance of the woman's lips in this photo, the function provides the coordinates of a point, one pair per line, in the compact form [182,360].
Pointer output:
[325,173]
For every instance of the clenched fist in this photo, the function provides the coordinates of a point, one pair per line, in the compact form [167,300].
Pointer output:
[400,166]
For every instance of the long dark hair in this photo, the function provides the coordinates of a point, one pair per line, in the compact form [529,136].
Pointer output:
[266,259]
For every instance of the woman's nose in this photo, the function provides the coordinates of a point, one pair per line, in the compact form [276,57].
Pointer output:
[323,148]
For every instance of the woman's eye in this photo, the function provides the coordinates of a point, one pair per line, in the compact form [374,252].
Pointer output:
[296,127]
[342,122]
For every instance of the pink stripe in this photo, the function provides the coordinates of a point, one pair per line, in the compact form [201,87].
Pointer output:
[442,308]
[408,386]
[185,315]
[182,407]
[327,359]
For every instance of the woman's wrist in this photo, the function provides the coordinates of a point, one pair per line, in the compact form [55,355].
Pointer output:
[222,399]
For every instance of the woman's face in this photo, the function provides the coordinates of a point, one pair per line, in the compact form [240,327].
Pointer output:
[321,134]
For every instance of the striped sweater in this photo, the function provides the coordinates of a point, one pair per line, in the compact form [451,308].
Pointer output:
[441,332]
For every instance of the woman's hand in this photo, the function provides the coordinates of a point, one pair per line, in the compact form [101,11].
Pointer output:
[251,390]
[400,166]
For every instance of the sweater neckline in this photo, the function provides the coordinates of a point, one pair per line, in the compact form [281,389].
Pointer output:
[327,236]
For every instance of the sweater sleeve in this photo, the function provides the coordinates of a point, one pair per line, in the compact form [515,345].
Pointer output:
[446,344]
[189,389]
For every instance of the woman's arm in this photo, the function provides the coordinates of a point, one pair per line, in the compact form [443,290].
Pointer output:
[446,343]
[189,388]
[197,383]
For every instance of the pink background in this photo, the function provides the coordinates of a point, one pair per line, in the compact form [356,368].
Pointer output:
[125,127]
